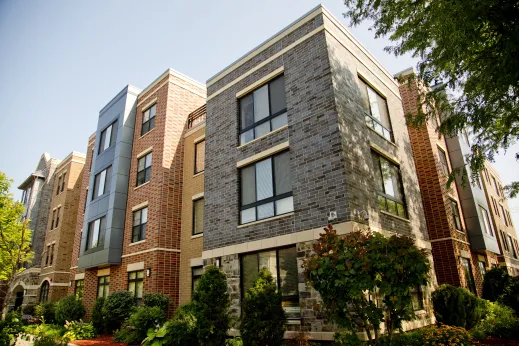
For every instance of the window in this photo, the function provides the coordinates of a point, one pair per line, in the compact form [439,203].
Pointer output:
[469,278]
[58,186]
[456,215]
[282,264]
[504,240]
[103,286]
[26,195]
[486,175]
[86,200]
[443,162]
[196,274]
[136,284]
[377,115]
[486,221]
[511,245]
[496,186]
[144,169]
[140,219]
[79,288]
[58,211]
[44,292]
[107,137]
[198,216]
[482,268]
[48,256]
[509,218]
[266,188]
[102,182]
[148,119]
[389,186]
[504,215]
[53,219]
[495,206]
[51,255]
[63,182]
[417,298]
[263,110]
[96,232]
[199,156]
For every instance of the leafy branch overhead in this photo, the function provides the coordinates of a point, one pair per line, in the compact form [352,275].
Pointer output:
[468,50]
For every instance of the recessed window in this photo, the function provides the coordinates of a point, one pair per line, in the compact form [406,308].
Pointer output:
[443,162]
[469,278]
[58,185]
[103,286]
[504,215]
[504,241]
[148,119]
[144,169]
[417,298]
[58,211]
[136,284]
[102,182]
[496,186]
[107,137]
[377,114]
[511,245]
[63,182]
[282,264]
[95,233]
[79,288]
[44,292]
[196,274]
[482,268]
[266,188]
[47,256]
[388,183]
[486,221]
[140,219]
[263,110]
[53,219]
[456,215]
[51,261]
[198,216]
[199,156]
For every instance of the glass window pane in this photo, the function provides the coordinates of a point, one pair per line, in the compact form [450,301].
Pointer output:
[282,173]
[373,104]
[143,232]
[364,95]
[246,137]
[152,111]
[137,218]
[277,95]
[108,179]
[247,111]
[132,275]
[387,177]
[279,121]
[382,109]
[148,160]
[140,274]
[138,289]
[391,206]
[395,178]
[95,235]
[265,210]
[248,215]
[382,202]
[200,156]
[378,173]
[198,216]
[102,180]
[144,215]
[285,205]
[249,270]
[401,210]
[131,286]
[262,129]
[140,164]
[267,260]
[248,185]
[146,116]
[107,137]
[264,188]
[261,103]
[147,174]
[288,271]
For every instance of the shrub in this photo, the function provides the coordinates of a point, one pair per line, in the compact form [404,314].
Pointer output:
[29,310]
[494,283]
[135,329]
[10,327]
[211,305]
[45,311]
[510,296]
[117,308]
[499,321]
[97,318]
[157,299]
[68,309]
[234,342]
[446,335]
[263,317]
[79,331]
[346,338]
[455,306]
[181,329]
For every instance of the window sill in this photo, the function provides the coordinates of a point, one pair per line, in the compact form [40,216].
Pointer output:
[266,220]
[198,174]
[146,133]
[260,137]
[378,134]
[197,236]
[395,216]
[137,242]
[141,185]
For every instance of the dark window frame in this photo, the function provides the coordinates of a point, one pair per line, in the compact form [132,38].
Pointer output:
[53,219]
[58,185]
[102,137]
[194,216]
[140,228]
[47,256]
[145,170]
[51,260]
[58,210]
[455,209]
[442,155]
[482,265]
[469,276]
[100,235]
[504,215]
[383,194]
[373,119]
[63,181]
[136,280]
[104,285]
[44,292]
[95,190]
[148,125]
[196,171]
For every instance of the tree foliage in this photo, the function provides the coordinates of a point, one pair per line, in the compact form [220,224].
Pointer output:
[469,48]
[455,306]
[356,273]
[494,284]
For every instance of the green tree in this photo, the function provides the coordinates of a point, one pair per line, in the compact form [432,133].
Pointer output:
[263,317]
[15,235]
[211,306]
[355,273]
[470,48]
[494,284]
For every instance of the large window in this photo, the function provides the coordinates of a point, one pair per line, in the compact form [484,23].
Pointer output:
[469,278]
[102,182]
[53,219]
[486,221]
[58,185]
[263,110]
[140,219]
[266,188]
[511,245]
[504,215]
[148,119]
[63,182]
[496,186]
[199,156]
[482,268]
[389,186]
[417,298]
[51,260]
[196,274]
[58,212]
[377,115]
[144,169]
[456,215]
[443,162]
[107,137]
[136,284]
[47,256]
[282,264]
[96,231]
[79,288]
[103,286]
[44,292]
[504,241]
[198,216]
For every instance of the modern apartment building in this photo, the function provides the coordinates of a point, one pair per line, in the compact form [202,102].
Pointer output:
[305,129]
[463,244]
[59,238]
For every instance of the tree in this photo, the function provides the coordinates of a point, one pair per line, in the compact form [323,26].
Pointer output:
[469,48]
[354,274]
[15,235]
[211,306]
[494,284]
[263,317]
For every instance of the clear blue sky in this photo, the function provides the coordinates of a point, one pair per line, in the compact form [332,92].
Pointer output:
[62,61]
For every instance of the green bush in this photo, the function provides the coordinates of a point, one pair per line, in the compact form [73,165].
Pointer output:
[117,308]
[181,329]
[499,322]
[346,338]
[79,331]
[211,304]
[510,296]
[45,311]
[494,284]
[10,327]
[97,318]
[263,317]
[69,309]
[234,342]
[135,329]
[445,335]
[157,299]
[29,310]
[455,306]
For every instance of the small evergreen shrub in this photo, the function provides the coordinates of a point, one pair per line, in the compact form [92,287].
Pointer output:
[263,317]
[510,296]
[79,331]
[157,299]
[116,309]
[97,318]
[135,329]
[181,329]
[46,312]
[494,284]
[499,322]
[69,309]
[455,306]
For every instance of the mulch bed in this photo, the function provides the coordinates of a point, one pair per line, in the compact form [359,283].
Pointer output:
[499,342]
[103,340]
